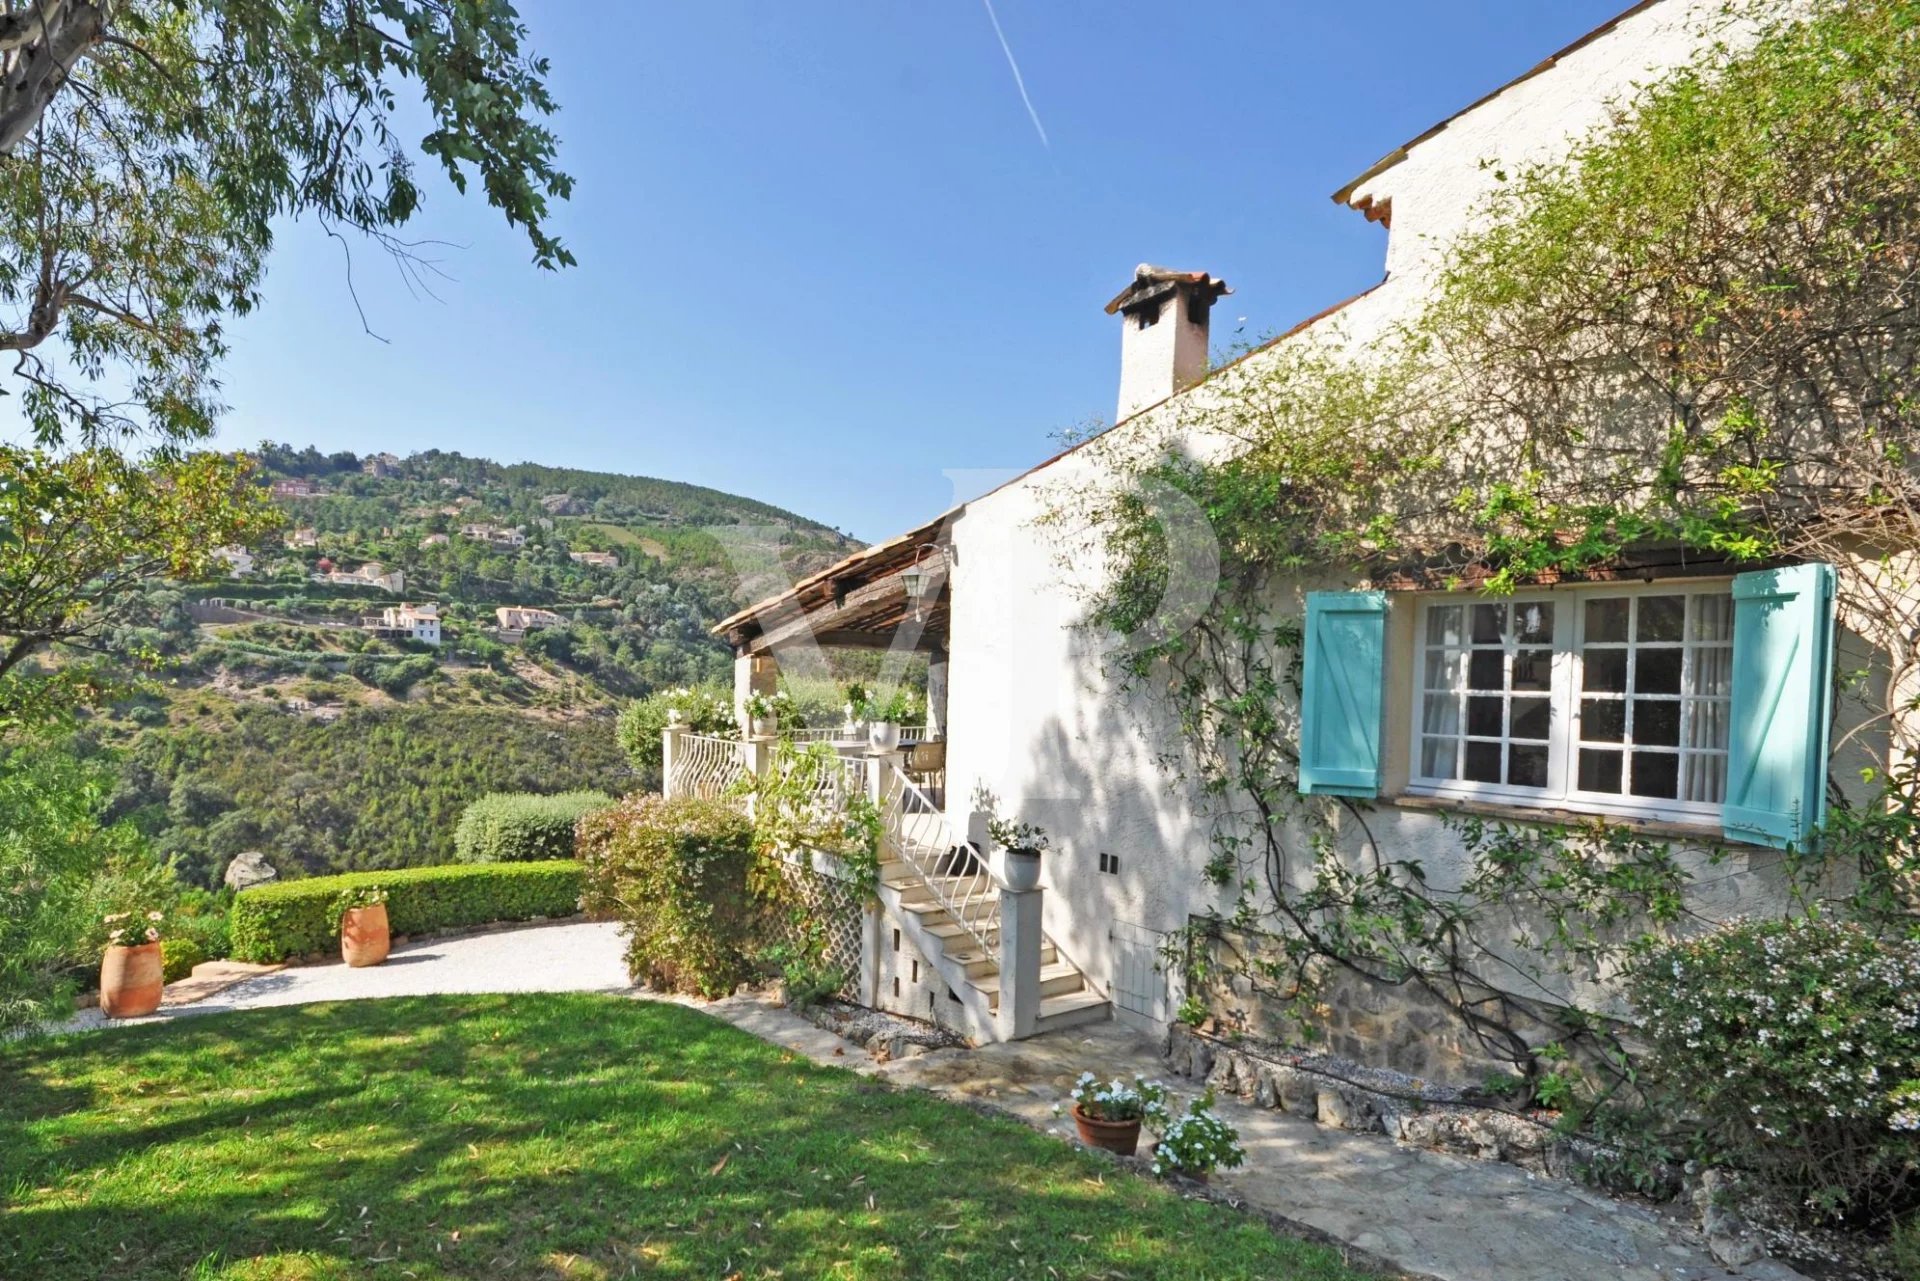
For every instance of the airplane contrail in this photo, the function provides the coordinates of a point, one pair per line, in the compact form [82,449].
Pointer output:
[1019,81]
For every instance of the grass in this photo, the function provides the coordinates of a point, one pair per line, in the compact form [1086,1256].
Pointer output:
[554,1137]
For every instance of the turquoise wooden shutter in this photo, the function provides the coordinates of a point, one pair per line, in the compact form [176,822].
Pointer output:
[1340,693]
[1782,686]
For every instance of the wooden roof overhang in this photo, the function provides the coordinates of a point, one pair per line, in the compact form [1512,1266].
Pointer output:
[859,602]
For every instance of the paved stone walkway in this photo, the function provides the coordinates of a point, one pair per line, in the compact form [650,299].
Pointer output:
[570,956]
[1429,1214]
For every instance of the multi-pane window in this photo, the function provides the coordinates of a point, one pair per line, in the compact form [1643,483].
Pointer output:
[1609,697]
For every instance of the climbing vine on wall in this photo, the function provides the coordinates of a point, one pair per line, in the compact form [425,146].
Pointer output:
[1695,337]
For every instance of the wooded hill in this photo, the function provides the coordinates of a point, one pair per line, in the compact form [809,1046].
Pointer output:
[276,722]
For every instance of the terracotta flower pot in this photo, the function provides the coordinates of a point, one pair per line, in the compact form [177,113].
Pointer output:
[1115,1136]
[130,981]
[364,938]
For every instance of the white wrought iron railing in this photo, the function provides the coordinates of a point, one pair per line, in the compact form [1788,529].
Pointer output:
[706,766]
[841,734]
[915,830]
[843,779]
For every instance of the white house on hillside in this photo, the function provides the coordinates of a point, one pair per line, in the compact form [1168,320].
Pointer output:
[407,622]
[238,560]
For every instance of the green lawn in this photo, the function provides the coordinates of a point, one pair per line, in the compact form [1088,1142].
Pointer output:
[553,1137]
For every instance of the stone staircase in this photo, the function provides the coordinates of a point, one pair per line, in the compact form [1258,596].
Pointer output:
[914,904]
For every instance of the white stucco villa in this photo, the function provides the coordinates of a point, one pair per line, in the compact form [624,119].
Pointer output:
[1408,678]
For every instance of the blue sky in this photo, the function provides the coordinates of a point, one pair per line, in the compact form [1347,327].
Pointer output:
[825,258]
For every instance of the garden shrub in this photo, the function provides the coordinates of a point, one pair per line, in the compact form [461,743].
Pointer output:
[291,918]
[178,956]
[1793,1047]
[202,915]
[676,874]
[518,827]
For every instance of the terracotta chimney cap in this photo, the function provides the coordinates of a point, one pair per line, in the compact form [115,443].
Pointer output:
[1151,284]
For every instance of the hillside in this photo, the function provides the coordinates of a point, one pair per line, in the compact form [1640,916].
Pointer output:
[286,718]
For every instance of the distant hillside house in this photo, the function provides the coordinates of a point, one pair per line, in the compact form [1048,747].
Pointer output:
[597,560]
[294,489]
[371,574]
[304,538]
[517,620]
[434,540]
[380,465]
[494,535]
[238,559]
[450,482]
[406,622]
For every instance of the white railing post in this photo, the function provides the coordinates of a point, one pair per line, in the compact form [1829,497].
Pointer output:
[669,755]
[880,772]
[757,756]
[1021,940]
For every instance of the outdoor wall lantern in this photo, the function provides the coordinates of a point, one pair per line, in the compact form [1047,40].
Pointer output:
[922,578]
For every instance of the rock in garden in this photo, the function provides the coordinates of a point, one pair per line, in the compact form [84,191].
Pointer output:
[250,868]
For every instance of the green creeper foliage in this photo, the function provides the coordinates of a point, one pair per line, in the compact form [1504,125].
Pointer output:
[1694,336]
[519,827]
[292,918]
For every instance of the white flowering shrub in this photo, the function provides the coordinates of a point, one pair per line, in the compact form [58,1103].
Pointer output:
[1794,1048]
[1197,1142]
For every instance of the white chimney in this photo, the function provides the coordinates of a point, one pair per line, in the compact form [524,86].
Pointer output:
[1163,335]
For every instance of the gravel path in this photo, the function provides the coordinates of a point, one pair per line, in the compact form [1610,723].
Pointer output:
[571,957]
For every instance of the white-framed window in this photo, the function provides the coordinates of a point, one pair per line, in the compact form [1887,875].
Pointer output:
[1604,698]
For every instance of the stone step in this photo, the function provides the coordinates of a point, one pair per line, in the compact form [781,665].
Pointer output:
[972,911]
[1073,1009]
[1058,979]
[922,891]
[977,963]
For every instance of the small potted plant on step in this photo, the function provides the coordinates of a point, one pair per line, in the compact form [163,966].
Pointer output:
[364,933]
[1196,1143]
[1108,1113]
[131,968]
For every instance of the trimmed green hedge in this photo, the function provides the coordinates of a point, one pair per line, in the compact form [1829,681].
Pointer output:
[274,922]
[521,827]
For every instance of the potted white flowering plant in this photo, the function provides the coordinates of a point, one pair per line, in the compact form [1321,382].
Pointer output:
[763,715]
[1023,842]
[1108,1114]
[1195,1143]
[131,969]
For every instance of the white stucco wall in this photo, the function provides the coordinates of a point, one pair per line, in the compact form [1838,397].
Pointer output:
[1436,189]
[1035,718]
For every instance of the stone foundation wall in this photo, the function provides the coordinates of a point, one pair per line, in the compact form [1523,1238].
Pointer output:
[1401,1028]
[1416,1115]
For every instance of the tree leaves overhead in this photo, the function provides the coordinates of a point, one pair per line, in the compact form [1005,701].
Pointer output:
[146,147]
